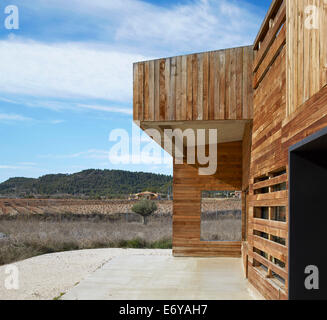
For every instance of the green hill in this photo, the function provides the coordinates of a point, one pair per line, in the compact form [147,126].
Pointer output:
[89,183]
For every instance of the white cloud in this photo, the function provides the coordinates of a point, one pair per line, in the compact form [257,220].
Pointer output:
[13,117]
[185,26]
[119,33]
[106,109]
[28,164]
[71,70]
[61,106]
[19,166]
[57,121]
[198,25]
[89,154]
[8,167]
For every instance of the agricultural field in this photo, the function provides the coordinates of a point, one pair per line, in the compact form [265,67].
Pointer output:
[33,227]
[80,207]
[105,207]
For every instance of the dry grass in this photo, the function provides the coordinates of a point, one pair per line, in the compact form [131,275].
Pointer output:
[31,233]
[30,236]
[225,228]
[221,219]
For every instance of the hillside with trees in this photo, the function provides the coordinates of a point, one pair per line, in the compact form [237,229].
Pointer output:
[89,183]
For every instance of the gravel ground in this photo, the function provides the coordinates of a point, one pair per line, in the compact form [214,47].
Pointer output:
[49,276]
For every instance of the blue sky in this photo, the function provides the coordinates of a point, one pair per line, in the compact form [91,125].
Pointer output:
[66,74]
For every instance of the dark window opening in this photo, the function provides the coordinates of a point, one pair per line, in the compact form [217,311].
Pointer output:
[278,214]
[261,213]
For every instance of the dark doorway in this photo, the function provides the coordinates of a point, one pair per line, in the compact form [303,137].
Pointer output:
[308,218]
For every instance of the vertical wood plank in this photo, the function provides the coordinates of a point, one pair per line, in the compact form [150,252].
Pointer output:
[167,88]
[146,90]
[288,56]
[179,88]
[316,36]
[200,87]
[163,97]
[307,45]
[157,90]
[136,104]
[151,90]
[195,86]
[289,48]
[228,84]
[239,87]
[216,86]
[172,90]
[250,92]
[141,90]
[184,88]
[206,86]
[222,84]
[189,111]
[245,82]
[294,53]
[323,43]
[212,69]
[232,105]
[311,57]
[300,53]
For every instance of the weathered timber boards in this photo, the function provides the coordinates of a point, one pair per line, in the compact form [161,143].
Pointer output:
[246,155]
[269,264]
[270,57]
[276,250]
[274,8]
[213,85]
[265,286]
[267,156]
[274,26]
[269,113]
[270,182]
[306,50]
[306,120]
[277,232]
[188,186]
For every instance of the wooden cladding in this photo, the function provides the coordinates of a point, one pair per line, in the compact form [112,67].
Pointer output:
[268,195]
[206,86]
[270,46]
[266,24]
[268,232]
[306,50]
[188,185]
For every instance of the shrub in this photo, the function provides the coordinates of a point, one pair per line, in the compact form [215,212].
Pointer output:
[145,208]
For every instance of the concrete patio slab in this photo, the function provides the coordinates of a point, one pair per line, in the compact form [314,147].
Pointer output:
[139,277]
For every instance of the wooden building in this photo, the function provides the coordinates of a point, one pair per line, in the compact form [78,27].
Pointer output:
[263,99]
[147,195]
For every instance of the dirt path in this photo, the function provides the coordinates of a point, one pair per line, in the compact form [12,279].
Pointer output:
[49,276]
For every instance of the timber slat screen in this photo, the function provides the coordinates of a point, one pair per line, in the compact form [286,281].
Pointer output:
[268,197]
[213,85]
